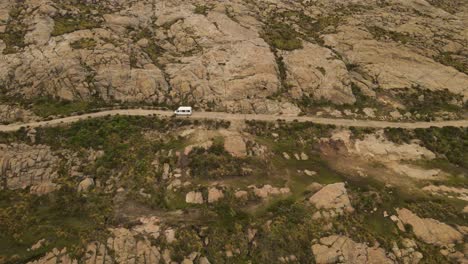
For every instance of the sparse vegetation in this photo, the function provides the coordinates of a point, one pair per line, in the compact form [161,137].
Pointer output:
[426,102]
[381,34]
[46,106]
[447,5]
[154,52]
[190,188]
[456,61]
[85,43]
[13,37]
[65,219]
[448,142]
[216,163]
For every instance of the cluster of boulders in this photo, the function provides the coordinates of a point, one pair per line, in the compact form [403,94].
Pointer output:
[297,156]
[341,249]
[196,197]
[123,246]
[267,190]
[432,232]
[407,253]
[23,166]
[11,113]
[448,191]
[214,194]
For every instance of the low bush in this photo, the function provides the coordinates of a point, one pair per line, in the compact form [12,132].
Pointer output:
[282,36]
[381,33]
[46,106]
[216,163]
[457,61]
[448,142]
[85,43]
[67,24]
[424,101]
[202,10]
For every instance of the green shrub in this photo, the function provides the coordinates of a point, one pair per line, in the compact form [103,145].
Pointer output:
[202,10]
[64,218]
[154,52]
[381,33]
[46,106]
[427,102]
[215,163]
[448,142]
[290,231]
[85,43]
[281,36]
[457,61]
[66,24]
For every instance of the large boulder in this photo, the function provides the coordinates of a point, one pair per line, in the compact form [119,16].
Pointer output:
[85,185]
[430,230]
[214,195]
[194,197]
[332,197]
[43,188]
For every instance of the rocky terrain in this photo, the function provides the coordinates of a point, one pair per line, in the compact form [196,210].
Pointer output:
[387,59]
[159,189]
[150,190]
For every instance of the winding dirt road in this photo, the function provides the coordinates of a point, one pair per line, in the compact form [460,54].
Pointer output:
[236,117]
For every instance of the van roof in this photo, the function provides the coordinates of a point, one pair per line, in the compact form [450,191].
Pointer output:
[185,107]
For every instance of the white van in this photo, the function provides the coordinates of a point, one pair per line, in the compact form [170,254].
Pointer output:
[183,111]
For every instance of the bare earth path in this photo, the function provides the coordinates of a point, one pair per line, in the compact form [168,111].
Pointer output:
[236,117]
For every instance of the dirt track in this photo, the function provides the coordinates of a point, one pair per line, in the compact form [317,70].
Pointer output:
[234,117]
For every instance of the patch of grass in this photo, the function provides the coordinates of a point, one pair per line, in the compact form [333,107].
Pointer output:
[457,177]
[216,163]
[295,138]
[64,219]
[85,43]
[289,233]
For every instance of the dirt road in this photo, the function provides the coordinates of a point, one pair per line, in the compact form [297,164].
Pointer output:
[234,117]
